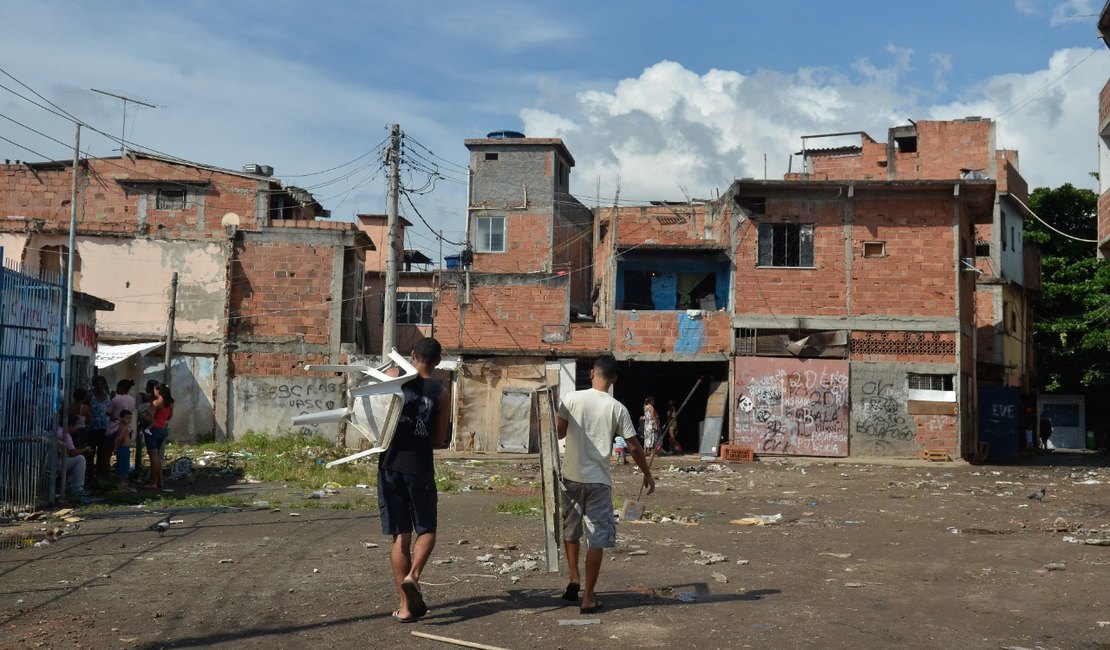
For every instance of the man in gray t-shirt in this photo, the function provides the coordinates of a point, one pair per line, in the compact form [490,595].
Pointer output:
[588,421]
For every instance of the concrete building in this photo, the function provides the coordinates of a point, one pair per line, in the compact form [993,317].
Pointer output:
[265,285]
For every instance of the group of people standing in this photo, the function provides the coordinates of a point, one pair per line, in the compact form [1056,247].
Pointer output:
[100,425]
[655,435]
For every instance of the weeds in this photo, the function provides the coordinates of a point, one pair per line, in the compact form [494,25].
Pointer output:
[527,507]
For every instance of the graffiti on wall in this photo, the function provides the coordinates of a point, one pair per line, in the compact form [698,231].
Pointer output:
[268,404]
[792,406]
[881,425]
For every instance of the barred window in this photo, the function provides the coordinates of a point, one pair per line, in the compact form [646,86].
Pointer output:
[786,244]
[168,199]
[931,387]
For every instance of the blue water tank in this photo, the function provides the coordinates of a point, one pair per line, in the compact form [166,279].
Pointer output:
[452,262]
[504,135]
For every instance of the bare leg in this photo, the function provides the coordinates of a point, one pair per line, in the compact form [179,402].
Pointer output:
[401,559]
[593,569]
[572,561]
[421,553]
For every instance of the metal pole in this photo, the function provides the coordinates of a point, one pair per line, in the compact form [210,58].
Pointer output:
[390,306]
[67,357]
[169,330]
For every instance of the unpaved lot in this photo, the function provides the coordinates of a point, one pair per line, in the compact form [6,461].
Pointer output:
[871,556]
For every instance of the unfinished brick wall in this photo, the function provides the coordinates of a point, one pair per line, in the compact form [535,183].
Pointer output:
[946,147]
[673,332]
[276,364]
[918,236]
[505,313]
[672,225]
[528,245]
[119,197]
[282,290]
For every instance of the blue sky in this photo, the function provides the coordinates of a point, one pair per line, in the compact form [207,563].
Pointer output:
[666,98]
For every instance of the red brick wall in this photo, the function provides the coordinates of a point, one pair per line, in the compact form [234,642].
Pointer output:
[528,246]
[946,147]
[921,265]
[275,364]
[111,208]
[500,317]
[920,258]
[818,291]
[680,225]
[657,332]
[282,290]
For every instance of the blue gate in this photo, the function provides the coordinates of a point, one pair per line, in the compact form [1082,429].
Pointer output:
[32,316]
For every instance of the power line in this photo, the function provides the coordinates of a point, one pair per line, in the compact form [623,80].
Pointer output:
[429,226]
[43,156]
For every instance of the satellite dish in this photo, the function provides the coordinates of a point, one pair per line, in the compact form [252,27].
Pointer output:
[230,219]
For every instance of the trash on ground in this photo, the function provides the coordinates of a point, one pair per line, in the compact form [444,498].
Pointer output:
[758,520]
[579,621]
[719,577]
[686,597]
[839,556]
[1056,566]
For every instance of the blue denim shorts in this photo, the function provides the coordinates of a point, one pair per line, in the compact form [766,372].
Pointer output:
[155,439]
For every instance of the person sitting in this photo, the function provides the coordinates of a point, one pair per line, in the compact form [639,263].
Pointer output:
[74,457]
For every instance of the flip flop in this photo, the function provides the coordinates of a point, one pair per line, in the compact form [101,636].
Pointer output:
[571,594]
[590,610]
[415,600]
[400,619]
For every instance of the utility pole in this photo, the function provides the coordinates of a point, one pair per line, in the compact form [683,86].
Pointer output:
[169,330]
[389,325]
[123,130]
[67,365]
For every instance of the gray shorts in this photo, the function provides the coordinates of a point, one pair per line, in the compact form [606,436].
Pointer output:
[588,510]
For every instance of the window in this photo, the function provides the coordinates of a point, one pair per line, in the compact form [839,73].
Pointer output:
[489,235]
[785,244]
[874,249]
[170,200]
[491,156]
[414,308]
[930,387]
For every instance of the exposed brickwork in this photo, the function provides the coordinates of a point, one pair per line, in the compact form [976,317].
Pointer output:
[673,225]
[672,332]
[282,290]
[275,364]
[500,317]
[528,246]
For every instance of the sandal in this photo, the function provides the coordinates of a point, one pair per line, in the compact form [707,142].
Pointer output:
[571,594]
[401,619]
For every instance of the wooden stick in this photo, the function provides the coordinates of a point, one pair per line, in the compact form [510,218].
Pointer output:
[465,644]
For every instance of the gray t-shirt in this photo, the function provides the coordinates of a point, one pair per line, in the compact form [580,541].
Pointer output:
[593,419]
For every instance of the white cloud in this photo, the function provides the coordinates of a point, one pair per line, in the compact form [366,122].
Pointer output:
[671,127]
[1073,11]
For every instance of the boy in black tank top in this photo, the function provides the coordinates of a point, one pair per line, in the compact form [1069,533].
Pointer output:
[406,479]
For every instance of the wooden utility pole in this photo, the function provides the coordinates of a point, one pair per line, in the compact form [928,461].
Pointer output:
[389,325]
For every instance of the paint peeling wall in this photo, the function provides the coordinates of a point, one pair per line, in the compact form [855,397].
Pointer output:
[795,407]
[681,333]
[269,404]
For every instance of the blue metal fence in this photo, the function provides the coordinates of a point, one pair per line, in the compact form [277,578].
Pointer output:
[32,316]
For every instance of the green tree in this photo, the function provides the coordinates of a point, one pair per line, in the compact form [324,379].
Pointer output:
[1072,318]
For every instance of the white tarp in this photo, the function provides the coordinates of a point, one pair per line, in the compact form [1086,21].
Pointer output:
[108,355]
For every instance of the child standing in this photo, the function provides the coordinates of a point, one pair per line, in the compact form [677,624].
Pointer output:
[621,447]
[123,444]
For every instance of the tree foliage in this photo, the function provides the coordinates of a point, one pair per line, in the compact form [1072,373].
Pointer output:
[1072,318]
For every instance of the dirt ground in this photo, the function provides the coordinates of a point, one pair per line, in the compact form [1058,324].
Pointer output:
[865,555]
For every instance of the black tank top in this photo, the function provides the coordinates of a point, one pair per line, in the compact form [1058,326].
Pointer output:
[411,449]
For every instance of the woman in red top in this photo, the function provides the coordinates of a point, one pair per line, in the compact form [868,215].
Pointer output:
[155,437]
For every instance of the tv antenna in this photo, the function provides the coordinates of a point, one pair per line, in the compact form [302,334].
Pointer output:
[123,130]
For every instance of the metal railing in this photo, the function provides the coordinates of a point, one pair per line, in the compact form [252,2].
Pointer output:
[32,314]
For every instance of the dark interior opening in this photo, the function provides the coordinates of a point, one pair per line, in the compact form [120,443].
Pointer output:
[666,380]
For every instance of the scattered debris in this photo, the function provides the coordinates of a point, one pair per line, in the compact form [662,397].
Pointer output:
[1056,566]
[686,597]
[579,621]
[484,558]
[719,577]
[369,545]
[227,561]
[638,553]
[445,639]
[839,556]
[758,520]
[853,585]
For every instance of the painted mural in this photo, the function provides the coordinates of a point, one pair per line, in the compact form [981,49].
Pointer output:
[795,407]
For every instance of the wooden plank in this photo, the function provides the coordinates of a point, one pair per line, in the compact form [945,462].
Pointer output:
[549,475]
[717,401]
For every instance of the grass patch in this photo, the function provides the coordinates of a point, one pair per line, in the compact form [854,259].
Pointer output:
[289,458]
[154,501]
[527,507]
[447,479]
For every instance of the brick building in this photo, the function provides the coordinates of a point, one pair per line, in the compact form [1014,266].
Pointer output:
[832,313]
[1104,147]
[416,279]
[265,285]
